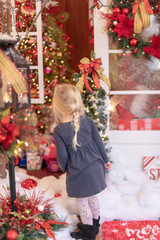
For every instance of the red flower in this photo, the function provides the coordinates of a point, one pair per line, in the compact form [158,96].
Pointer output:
[154,49]
[8,131]
[124,27]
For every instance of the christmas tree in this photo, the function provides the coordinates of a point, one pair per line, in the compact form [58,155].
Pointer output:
[94,95]
[56,53]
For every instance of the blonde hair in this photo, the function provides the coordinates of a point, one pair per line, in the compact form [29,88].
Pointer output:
[67,101]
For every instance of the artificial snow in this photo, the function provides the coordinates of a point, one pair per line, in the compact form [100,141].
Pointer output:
[130,195]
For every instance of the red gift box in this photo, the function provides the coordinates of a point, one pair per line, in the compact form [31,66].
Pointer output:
[138,124]
[131,230]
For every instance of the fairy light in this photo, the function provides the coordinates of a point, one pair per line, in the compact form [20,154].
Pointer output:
[18,141]
[26,144]
[15,151]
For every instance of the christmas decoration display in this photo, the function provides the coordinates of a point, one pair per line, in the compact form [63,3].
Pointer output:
[139,75]
[130,230]
[126,22]
[34,218]
[91,69]
[151,166]
[56,53]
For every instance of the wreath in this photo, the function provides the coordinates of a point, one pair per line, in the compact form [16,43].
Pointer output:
[126,22]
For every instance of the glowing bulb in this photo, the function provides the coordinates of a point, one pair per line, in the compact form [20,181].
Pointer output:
[110,107]
[15,151]
[26,144]
[6,97]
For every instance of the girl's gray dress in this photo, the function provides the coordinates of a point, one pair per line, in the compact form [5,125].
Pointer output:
[85,169]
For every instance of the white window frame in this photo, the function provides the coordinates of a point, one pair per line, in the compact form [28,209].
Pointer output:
[101,48]
[39,66]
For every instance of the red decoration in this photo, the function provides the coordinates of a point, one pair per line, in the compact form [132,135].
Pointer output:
[28,9]
[123,113]
[12,234]
[29,216]
[57,195]
[133,42]
[135,51]
[8,132]
[127,230]
[116,10]
[154,49]
[138,124]
[125,10]
[124,27]
[87,67]
[29,184]
[97,4]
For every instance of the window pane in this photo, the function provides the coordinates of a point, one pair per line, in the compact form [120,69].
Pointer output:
[130,73]
[134,112]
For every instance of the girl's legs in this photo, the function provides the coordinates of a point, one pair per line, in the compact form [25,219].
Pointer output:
[88,209]
[94,206]
[85,211]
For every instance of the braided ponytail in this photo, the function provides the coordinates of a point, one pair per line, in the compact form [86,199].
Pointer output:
[76,128]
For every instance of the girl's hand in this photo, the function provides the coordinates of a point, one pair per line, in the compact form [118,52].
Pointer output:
[108,165]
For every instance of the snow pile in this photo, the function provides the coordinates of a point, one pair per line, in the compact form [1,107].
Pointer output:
[130,195]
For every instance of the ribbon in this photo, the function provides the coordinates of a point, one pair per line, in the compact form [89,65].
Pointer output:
[91,67]
[47,227]
[12,74]
[141,11]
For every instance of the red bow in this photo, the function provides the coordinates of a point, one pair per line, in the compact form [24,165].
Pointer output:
[147,6]
[47,227]
[87,67]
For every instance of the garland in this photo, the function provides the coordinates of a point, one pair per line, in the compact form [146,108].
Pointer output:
[126,21]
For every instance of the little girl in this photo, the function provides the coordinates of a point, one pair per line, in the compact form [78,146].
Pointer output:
[81,154]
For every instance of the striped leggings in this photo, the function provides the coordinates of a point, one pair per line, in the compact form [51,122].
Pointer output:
[88,209]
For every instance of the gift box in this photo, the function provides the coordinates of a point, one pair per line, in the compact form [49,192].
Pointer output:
[138,124]
[152,166]
[130,230]
[34,161]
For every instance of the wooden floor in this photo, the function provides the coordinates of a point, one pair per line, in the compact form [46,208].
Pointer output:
[44,173]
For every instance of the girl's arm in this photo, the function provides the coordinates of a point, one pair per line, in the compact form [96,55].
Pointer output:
[62,156]
[98,140]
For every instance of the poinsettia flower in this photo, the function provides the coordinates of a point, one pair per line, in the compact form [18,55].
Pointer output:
[154,49]
[8,132]
[124,26]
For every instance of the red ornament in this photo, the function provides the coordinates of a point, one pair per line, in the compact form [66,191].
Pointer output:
[133,42]
[12,234]
[116,10]
[135,51]
[29,184]
[125,10]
